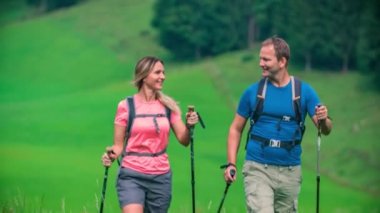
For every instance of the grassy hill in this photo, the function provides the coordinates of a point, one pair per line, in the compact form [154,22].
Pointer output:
[62,74]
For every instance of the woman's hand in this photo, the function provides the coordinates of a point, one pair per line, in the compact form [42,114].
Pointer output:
[192,118]
[108,157]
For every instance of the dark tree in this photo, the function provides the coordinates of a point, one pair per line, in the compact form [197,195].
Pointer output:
[198,28]
[368,48]
[48,5]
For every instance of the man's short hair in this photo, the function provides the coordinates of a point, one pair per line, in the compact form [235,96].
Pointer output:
[281,48]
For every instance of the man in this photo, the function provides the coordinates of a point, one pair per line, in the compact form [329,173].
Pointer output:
[272,171]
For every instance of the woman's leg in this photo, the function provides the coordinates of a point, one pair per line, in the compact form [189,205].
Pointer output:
[133,208]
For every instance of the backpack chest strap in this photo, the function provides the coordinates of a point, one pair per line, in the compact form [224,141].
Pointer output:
[288,145]
[150,115]
[154,116]
[146,154]
[281,118]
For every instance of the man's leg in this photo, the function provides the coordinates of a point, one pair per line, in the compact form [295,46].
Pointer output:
[286,197]
[258,188]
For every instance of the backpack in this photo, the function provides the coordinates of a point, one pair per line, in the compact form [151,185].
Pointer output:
[258,111]
[131,116]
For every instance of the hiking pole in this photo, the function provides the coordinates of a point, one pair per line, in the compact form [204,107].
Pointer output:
[191,134]
[228,184]
[105,178]
[318,172]
[104,189]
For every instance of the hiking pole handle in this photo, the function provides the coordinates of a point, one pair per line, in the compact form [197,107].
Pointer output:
[319,122]
[191,108]
[232,172]
[109,152]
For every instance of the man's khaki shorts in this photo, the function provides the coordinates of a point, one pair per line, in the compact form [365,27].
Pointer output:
[271,188]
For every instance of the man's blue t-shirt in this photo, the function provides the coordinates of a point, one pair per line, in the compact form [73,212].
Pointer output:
[278,101]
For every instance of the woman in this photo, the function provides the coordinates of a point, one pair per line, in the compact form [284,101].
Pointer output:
[144,181]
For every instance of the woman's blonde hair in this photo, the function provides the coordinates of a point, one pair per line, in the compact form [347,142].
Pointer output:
[143,67]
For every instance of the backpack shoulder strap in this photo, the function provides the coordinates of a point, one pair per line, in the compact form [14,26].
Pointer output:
[296,95]
[260,97]
[131,116]
[168,113]
[259,105]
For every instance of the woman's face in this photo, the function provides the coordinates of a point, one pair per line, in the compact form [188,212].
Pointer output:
[156,77]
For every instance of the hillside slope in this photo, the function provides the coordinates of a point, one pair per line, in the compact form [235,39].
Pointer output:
[62,74]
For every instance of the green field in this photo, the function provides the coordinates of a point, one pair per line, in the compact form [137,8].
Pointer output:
[62,75]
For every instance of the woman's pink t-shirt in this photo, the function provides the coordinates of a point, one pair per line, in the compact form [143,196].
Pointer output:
[144,137]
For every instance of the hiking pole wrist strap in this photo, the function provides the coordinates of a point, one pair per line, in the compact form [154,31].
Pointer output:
[225,166]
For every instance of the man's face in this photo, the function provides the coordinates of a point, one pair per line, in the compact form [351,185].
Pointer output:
[268,61]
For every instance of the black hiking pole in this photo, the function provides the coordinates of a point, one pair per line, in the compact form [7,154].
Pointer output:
[191,132]
[104,189]
[228,184]
[318,173]
[105,178]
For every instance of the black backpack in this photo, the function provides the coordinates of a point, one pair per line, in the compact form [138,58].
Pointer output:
[131,116]
[258,111]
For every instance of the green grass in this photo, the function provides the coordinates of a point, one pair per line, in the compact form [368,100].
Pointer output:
[62,75]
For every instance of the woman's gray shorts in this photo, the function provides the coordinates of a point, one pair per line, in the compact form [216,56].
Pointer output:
[154,192]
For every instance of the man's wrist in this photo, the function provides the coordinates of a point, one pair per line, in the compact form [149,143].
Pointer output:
[225,166]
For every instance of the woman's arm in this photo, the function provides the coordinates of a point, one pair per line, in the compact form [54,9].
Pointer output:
[181,130]
[115,151]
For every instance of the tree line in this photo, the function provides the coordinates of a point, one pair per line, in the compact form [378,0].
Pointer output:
[339,35]
[335,35]
[50,5]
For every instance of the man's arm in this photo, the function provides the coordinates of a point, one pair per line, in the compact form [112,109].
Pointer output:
[322,120]
[233,143]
